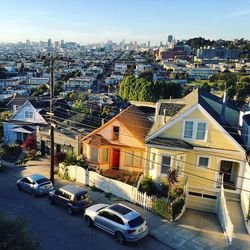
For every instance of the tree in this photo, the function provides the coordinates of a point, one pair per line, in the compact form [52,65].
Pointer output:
[14,235]
[30,143]
[172,178]
[60,157]
[205,86]
[241,90]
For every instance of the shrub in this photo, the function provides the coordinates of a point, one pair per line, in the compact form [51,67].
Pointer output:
[70,159]
[176,192]
[177,206]
[163,208]
[82,162]
[30,143]
[59,157]
[146,185]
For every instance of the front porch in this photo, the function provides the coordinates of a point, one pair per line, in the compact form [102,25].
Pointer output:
[228,174]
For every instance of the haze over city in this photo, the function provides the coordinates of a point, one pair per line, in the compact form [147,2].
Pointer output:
[96,21]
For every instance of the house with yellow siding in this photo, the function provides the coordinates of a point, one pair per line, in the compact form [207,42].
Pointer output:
[119,143]
[198,135]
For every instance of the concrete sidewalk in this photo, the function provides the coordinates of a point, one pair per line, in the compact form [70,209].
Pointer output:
[241,238]
[195,230]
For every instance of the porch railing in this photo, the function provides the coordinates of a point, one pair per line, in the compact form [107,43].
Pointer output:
[223,214]
[219,182]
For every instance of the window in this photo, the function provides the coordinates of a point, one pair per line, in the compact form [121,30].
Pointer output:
[203,162]
[133,158]
[116,131]
[136,222]
[28,115]
[129,158]
[201,131]
[94,154]
[137,159]
[180,164]
[195,130]
[105,155]
[153,159]
[117,219]
[166,163]
[26,180]
[188,132]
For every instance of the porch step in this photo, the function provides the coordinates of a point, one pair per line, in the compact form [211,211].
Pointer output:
[232,196]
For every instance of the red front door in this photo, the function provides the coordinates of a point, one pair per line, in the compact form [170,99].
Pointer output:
[115,158]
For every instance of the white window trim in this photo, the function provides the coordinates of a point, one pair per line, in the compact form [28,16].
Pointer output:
[195,121]
[152,162]
[204,156]
[171,163]
[183,162]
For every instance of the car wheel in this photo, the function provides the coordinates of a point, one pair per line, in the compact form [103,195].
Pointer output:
[70,211]
[19,187]
[89,222]
[34,193]
[120,238]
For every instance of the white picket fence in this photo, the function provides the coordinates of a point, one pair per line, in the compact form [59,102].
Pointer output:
[143,200]
[117,188]
[223,215]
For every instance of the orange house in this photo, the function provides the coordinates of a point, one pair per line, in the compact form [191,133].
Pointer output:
[119,143]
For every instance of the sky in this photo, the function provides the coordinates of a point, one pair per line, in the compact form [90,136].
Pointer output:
[89,21]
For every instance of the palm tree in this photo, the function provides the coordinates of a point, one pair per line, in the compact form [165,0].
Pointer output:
[172,178]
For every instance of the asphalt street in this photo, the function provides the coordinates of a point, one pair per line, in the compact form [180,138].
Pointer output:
[54,228]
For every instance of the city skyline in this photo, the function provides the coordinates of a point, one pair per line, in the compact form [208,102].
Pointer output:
[142,20]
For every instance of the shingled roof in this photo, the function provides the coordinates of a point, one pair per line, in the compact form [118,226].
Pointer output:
[133,119]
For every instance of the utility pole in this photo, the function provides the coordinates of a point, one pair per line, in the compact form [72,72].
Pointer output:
[52,161]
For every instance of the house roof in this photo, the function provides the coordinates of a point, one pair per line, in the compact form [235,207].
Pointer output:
[246,118]
[97,141]
[170,142]
[133,119]
[176,107]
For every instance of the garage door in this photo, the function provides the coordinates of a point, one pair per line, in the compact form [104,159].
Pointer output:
[202,201]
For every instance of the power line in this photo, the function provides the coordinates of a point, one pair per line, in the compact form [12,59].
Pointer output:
[182,171]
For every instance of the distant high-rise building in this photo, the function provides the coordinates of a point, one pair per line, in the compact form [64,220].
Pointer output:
[62,43]
[161,44]
[49,43]
[170,38]
[148,44]
[27,42]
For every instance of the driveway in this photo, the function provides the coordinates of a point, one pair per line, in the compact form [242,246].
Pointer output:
[51,224]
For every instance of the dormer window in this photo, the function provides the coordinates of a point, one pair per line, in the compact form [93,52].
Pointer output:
[28,115]
[195,130]
[116,131]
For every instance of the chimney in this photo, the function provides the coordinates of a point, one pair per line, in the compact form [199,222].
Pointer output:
[224,105]
[164,114]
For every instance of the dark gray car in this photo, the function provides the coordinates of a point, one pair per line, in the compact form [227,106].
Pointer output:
[72,197]
[35,184]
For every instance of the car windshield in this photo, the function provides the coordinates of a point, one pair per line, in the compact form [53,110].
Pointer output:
[42,180]
[82,196]
[136,221]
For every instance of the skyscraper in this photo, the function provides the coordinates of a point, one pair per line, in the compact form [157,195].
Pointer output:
[170,38]
[49,43]
[148,44]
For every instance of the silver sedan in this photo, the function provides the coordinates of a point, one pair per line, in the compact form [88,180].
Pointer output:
[121,221]
[35,184]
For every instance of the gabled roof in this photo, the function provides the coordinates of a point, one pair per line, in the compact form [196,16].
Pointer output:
[176,107]
[134,120]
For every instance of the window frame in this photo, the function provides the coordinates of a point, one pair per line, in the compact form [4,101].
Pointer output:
[103,155]
[134,158]
[116,135]
[195,129]
[198,160]
[91,159]
[171,163]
